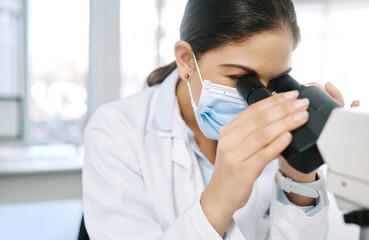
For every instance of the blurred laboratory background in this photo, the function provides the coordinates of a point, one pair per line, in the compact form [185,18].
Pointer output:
[61,59]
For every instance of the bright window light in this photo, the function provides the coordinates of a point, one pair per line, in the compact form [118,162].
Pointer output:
[58,45]
[334,47]
[334,44]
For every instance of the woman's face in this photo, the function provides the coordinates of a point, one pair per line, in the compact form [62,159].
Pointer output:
[265,55]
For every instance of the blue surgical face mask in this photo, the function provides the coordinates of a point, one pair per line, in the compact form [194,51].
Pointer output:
[217,106]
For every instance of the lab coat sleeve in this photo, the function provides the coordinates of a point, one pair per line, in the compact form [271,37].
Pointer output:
[308,210]
[288,221]
[115,199]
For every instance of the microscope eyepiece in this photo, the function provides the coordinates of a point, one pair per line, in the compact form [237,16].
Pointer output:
[251,89]
[284,83]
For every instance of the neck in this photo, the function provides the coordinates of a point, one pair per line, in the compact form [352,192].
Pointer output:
[207,146]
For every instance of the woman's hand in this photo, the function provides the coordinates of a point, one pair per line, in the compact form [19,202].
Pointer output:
[246,145]
[298,176]
[334,93]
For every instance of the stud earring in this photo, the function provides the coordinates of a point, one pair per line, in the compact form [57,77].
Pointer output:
[187,76]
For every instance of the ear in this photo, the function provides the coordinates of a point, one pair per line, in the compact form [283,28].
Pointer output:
[184,59]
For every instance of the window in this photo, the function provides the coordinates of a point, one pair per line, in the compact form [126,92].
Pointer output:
[58,43]
[11,22]
[147,42]
[171,18]
[11,66]
[138,43]
[334,46]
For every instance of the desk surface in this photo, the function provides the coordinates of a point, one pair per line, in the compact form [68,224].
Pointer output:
[21,159]
[40,173]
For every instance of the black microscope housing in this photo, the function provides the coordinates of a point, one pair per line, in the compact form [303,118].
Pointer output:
[302,153]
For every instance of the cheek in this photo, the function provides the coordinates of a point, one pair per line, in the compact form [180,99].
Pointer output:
[229,82]
[224,81]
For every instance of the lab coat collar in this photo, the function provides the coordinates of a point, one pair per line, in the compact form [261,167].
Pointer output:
[165,119]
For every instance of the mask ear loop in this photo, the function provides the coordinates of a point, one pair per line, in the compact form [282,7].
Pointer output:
[188,83]
[189,90]
[197,68]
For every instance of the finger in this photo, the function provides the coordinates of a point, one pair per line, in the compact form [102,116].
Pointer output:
[265,104]
[264,136]
[315,84]
[331,90]
[355,103]
[272,151]
[264,118]
[335,93]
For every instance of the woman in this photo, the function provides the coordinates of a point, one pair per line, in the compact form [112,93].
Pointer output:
[188,158]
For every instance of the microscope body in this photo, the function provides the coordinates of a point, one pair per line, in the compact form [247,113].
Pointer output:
[302,153]
[339,136]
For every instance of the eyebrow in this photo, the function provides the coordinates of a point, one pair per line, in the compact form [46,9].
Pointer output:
[252,71]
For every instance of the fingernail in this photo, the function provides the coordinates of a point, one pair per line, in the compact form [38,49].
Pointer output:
[291,94]
[298,117]
[301,103]
[285,138]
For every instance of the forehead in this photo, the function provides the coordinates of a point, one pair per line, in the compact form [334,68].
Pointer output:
[266,52]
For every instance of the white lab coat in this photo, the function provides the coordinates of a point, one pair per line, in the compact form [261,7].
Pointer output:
[140,181]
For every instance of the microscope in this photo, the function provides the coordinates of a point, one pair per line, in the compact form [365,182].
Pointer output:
[333,135]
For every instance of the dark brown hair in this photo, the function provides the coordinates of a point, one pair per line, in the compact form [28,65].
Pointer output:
[209,24]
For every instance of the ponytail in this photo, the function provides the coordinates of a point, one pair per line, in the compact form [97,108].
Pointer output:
[158,75]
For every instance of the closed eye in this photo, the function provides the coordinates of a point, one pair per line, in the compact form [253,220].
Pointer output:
[236,77]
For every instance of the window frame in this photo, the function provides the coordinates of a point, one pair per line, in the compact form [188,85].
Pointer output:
[21,79]
[20,123]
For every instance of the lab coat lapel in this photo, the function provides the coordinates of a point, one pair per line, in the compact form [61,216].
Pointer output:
[165,122]
[187,180]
